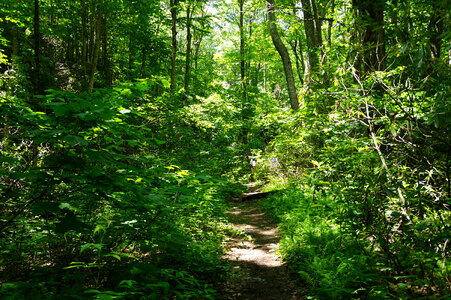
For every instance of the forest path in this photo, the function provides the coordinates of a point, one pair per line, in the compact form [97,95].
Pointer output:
[257,271]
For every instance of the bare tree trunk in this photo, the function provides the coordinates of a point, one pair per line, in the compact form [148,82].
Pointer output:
[242,49]
[189,38]
[436,24]
[84,20]
[131,54]
[318,25]
[106,60]
[284,55]
[173,4]
[313,40]
[95,51]
[37,49]
[196,51]
[300,66]
[371,19]
[15,40]
[197,43]
[144,62]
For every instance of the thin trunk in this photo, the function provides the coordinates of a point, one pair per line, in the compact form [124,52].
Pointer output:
[84,17]
[144,62]
[284,55]
[106,60]
[299,56]
[436,25]
[196,52]
[197,44]
[15,41]
[318,25]
[242,48]
[329,28]
[173,4]
[300,66]
[189,38]
[131,53]
[245,106]
[311,37]
[37,48]
[256,77]
[90,47]
[52,13]
[95,51]
[248,63]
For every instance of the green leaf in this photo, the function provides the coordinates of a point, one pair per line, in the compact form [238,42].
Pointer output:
[90,245]
[75,140]
[166,83]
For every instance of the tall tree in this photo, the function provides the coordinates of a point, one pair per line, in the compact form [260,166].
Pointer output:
[437,21]
[284,55]
[37,48]
[312,27]
[174,10]
[242,49]
[189,43]
[370,18]
[95,49]
[84,34]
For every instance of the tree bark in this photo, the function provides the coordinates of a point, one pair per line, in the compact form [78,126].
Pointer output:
[317,21]
[106,59]
[189,38]
[173,4]
[436,24]
[95,51]
[37,49]
[370,15]
[144,62]
[242,49]
[131,53]
[84,17]
[313,40]
[284,55]
[14,41]
[300,66]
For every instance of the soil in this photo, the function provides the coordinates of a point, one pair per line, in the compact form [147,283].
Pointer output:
[257,271]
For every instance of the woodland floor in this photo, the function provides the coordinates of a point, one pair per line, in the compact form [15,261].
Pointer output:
[257,270]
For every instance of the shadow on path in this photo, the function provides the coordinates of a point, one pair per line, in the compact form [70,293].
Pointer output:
[257,271]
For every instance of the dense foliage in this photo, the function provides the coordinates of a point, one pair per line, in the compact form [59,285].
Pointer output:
[125,123]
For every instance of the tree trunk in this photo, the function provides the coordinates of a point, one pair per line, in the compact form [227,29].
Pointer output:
[313,40]
[84,20]
[106,60]
[197,43]
[95,51]
[318,25]
[370,14]
[436,24]
[242,49]
[173,4]
[37,49]
[14,41]
[189,39]
[300,66]
[144,62]
[131,53]
[284,55]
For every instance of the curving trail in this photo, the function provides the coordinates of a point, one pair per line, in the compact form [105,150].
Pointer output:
[257,271]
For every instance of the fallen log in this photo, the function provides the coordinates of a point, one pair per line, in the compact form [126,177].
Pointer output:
[255,195]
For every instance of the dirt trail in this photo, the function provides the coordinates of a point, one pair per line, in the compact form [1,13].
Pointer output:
[257,271]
